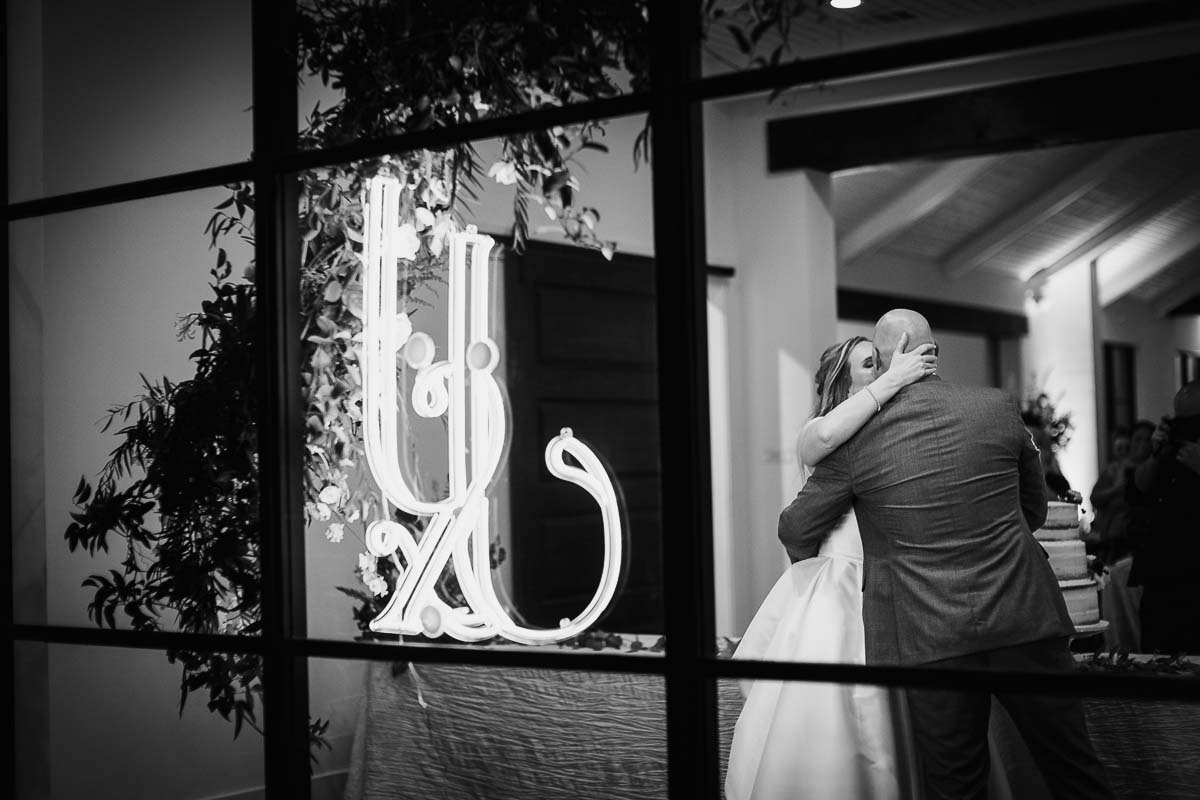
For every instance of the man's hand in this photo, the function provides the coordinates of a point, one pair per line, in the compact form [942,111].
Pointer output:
[1189,456]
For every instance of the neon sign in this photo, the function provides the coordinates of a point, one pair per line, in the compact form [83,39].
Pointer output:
[462,389]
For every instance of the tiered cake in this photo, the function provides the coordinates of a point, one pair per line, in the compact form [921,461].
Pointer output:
[1060,538]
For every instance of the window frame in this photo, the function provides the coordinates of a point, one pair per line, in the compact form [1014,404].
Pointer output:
[689,667]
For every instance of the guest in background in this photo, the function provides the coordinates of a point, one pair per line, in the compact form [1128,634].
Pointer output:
[1118,448]
[1110,535]
[1113,531]
[1166,553]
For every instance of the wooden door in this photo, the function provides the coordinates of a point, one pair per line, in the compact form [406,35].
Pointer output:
[581,354]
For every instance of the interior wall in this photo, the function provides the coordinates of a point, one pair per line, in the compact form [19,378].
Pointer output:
[1130,321]
[102,93]
[777,232]
[1185,333]
[140,88]
[886,274]
[1058,355]
[23,36]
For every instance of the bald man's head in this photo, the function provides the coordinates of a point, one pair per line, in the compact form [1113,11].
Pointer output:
[894,324]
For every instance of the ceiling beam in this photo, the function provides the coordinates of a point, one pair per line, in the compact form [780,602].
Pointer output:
[1054,197]
[1133,217]
[1103,104]
[1179,292]
[905,208]
[1125,281]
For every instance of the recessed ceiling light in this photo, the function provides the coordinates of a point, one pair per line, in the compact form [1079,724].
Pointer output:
[845,3]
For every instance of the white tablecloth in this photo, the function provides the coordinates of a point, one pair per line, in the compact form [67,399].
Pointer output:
[491,734]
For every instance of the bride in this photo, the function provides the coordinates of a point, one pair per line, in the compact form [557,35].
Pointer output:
[801,739]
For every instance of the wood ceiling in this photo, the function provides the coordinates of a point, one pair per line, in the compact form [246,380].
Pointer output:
[1132,204]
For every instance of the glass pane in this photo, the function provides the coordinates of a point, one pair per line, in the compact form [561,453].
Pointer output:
[439,376]
[378,69]
[1023,263]
[433,730]
[106,723]
[103,93]
[134,458]
[746,36]
[867,741]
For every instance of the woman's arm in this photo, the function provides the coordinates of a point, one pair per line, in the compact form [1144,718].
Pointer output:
[823,435]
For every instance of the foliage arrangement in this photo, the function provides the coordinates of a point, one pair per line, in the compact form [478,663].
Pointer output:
[1041,413]
[756,25]
[1179,665]
[178,495]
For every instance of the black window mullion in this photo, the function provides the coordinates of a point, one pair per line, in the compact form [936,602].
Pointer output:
[281,553]
[133,190]
[1059,29]
[8,732]
[681,291]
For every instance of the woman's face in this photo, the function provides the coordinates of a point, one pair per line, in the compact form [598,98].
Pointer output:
[862,363]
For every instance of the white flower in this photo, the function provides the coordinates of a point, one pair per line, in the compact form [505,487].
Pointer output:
[425,218]
[324,512]
[444,227]
[366,563]
[378,586]
[335,532]
[403,328]
[551,213]
[435,193]
[406,242]
[504,173]
[353,515]
[330,495]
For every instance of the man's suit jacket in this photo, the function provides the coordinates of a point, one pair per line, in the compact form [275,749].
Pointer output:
[947,486]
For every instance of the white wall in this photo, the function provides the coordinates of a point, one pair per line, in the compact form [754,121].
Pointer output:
[1130,321]
[1059,358]
[102,93]
[139,88]
[887,274]
[1185,333]
[777,314]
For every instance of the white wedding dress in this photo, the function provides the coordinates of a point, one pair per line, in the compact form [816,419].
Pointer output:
[816,740]
[796,740]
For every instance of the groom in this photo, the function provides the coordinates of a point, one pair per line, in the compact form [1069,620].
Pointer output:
[947,487]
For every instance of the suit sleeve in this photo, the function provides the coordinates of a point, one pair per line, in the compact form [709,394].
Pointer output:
[1033,480]
[821,504]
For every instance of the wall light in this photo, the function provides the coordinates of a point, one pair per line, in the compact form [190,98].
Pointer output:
[844,4]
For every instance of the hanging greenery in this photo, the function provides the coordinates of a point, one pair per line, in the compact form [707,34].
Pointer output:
[178,496]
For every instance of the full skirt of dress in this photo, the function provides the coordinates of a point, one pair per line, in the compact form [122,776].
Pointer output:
[797,740]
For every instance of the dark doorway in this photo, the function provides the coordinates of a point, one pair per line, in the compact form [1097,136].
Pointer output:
[581,354]
[1120,398]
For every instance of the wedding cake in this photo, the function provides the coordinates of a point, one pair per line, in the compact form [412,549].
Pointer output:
[1059,536]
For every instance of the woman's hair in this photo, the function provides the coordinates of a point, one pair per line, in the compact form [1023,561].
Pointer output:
[833,375]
